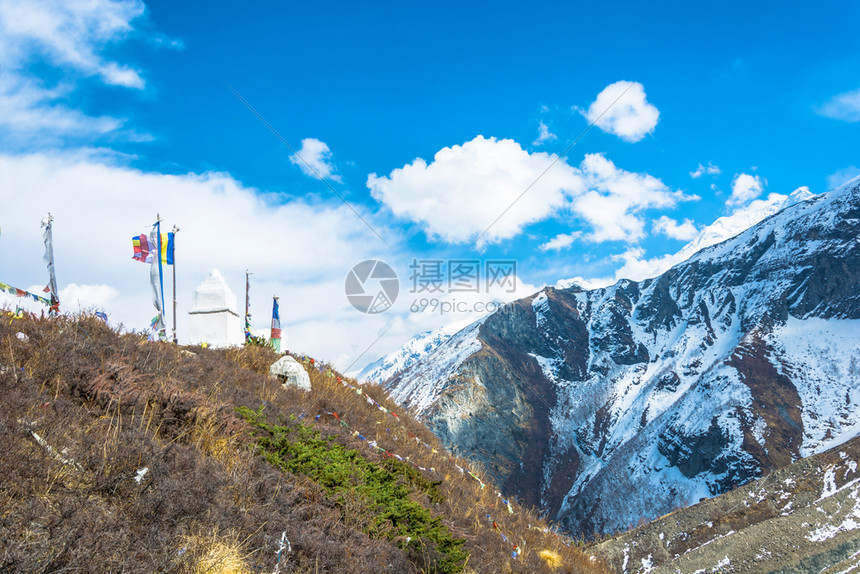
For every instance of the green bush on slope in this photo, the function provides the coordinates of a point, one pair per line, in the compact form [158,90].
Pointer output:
[383,490]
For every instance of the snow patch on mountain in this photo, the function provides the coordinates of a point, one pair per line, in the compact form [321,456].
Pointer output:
[722,229]
[410,353]
[826,355]
[540,307]
[547,365]
[428,377]
[849,522]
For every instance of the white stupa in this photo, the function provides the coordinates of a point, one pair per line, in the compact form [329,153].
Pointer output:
[214,318]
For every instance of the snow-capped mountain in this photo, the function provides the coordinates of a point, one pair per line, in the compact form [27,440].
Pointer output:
[413,351]
[730,225]
[723,228]
[612,405]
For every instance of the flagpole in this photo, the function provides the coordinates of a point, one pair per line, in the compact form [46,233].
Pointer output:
[175,231]
[54,307]
[247,304]
[158,221]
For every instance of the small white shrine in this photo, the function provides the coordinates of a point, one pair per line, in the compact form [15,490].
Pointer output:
[214,318]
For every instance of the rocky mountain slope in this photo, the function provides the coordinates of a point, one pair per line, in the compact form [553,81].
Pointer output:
[801,518]
[611,406]
[410,353]
[723,228]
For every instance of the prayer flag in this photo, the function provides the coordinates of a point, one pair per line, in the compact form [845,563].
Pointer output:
[276,326]
[21,293]
[157,281]
[144,248]
[49,260]
[167,248]
[141,248]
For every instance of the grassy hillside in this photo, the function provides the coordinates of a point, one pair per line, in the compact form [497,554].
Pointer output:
[121,455]
[804,517]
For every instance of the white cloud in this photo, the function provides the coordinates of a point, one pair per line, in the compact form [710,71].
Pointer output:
[301,251]
[710,169]
[836,179]
[587,284]
[449,310]
[671,228]
[120,76]
[70,37]
[87,297]
[317,159]
[561,241]
[615,199]
[745,187]
[545,135]
[844,107]
[631,118]
[71,33]
[29,110]
[637,267]
[466,187]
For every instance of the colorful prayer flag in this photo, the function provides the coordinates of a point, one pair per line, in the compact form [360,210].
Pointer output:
[276,326]
[167,248]
[21,293]
[141,248]
[144,248]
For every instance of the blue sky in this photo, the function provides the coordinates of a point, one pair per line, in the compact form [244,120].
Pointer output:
[111,111]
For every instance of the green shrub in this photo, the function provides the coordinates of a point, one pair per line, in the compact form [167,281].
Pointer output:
[384,491]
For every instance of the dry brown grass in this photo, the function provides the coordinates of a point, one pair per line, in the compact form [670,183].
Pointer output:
[213,554]
[114,404]
[466,504]
[552,558]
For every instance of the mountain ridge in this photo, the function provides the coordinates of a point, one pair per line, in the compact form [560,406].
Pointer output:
[722,229]
[682,386]
[407,355]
